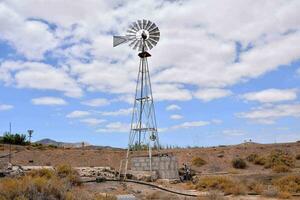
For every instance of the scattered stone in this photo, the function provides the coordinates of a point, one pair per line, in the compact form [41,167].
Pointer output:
[143,175]
[103,172]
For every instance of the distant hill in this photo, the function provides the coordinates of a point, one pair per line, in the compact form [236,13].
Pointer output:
[48,141]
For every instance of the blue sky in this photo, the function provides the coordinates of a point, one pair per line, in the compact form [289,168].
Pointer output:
[222,73]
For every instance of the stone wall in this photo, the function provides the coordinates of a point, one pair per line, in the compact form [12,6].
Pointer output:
[166,166]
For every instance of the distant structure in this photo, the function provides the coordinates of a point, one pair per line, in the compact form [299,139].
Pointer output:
[30,135]
[142,35]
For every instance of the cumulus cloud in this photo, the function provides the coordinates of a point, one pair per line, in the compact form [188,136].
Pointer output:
[39,76]
[211,94]
[78,114]
[233,132]
[51,101]
[85,45]
[191,124]
[176,117]
[115,127]
[271,95]
[173,107]
[119,112]
[270,113]
[4,107]
[96,102]
[31,38]
[92,121]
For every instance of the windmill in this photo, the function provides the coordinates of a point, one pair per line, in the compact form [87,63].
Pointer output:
[142,36]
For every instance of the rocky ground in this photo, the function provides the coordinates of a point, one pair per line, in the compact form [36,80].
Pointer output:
[105,163]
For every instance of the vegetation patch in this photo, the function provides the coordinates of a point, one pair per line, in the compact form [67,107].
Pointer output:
[239,163]
[222,183]
[47,184]
[198,162]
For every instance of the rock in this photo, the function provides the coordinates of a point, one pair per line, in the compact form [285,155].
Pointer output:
[104,172]
[143,175]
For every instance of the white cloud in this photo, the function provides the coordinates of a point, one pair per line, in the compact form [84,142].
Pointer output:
[4,107]
[271,95]
[113,70]
[233,132]
[270,113]
[30,38]
[176,117]
[51,101]
[120,112]
[191,124]
[96,102]
[40,76]
[211,94]
[92,121]
[173,107]
[78,114]
[115,127]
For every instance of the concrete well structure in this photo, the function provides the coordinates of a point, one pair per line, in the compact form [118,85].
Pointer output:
[166,166]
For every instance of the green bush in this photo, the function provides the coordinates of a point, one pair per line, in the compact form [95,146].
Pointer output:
[239,163]
[17,139]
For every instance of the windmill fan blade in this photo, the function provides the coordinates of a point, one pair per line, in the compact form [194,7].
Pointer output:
[140,24]
[144,23]
[150,46]
[133,42]
[153,41]
[136,26]
[137,44]
[149,23]
[154,30]
[117,40]
[153,26]
[133,27]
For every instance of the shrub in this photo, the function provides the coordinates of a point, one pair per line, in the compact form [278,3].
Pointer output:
[260,161]
[256,187]
[281,168]
[239,163]
[284,195]
[198,162]
[44,184]
[222,183]
[279,157]
[18,139]
[67,172]
[289,183]
[252,157]
[46,173]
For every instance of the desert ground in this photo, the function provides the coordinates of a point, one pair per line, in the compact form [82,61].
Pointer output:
[218,163]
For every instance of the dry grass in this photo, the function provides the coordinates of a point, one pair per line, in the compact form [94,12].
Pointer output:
[290,183]
[221,183]
[281,169]
[198,162]
[278,158]
[46,184]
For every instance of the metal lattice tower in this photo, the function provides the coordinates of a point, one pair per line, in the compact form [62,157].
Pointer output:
[142,35]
